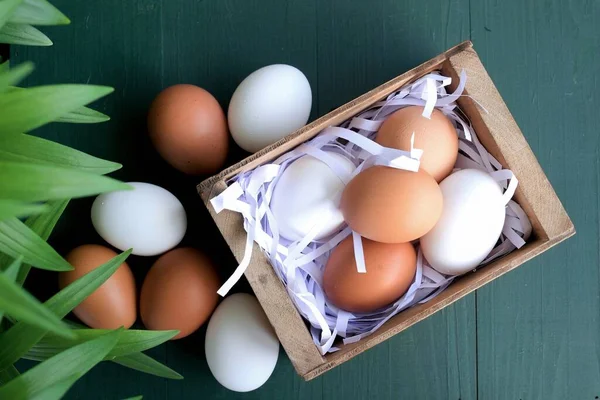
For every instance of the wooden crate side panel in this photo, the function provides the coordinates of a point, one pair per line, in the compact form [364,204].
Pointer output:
[333,118]
[289,325]
[500,134]
[454,292]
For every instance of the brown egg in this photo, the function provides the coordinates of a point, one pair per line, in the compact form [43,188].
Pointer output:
[179,292]
[391,269]
[437,138]
[113,304]
[189,129]
[390,205]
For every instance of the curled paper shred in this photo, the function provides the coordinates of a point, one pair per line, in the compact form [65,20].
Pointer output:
[299,264]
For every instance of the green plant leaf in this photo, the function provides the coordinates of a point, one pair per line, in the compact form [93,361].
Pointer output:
[8,374]
[130,341]
[30,182]
[13,270]
[27,109]
[38,12]
[21,305]
[17,340]
[134,398]
[12,208]
[146,364]
[75,361]
[42,225]
[11,273]
[35,150]
[17,239]
[25,35]
[138,361]
[7,8]
[57,390]
[83,115]
[15,75]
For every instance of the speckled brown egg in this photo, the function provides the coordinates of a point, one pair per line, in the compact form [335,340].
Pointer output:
[437,138]
[391,269]
[189,129]
[179,292]
[113,304]
[391,205]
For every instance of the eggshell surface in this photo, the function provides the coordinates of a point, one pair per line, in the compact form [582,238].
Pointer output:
[189,129]
[241,346]
[391,269]
[113,304]
[470,224]
[391,205]
[308,193]
[269,104]
[437,138]
[148,219]
[179,292]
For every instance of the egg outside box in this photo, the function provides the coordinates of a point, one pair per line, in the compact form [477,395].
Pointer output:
[500,135]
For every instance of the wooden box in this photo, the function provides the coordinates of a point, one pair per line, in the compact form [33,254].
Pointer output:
[497,131]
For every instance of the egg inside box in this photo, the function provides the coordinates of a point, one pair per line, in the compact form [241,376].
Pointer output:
[497,132]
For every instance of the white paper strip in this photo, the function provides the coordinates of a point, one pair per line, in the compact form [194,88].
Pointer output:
[359,254]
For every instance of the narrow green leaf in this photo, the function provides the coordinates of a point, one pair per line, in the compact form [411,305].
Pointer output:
[38,12]
[76,361]
[30,182]
[14,75]
[144,363]
[25,35]
[13,270]
[42,225]
[138,361]
[12,208]
[11,273]
[24,110]
[8,374]
[84,115]
[130,341]
[135,398]
[15,301]
[81,115]
[35,150]
[17,340]
[57,390]
[17,239]
[7,8]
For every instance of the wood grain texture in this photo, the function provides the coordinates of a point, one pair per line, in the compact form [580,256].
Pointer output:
[535,330]
[500,134]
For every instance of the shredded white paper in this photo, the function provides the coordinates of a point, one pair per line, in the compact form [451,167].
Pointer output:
[300,264]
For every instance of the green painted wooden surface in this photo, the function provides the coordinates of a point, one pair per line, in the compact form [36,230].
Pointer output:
[532,334]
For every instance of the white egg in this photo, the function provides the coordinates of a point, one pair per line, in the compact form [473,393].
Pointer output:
[470,225]
[268,105]
[148,219]
[308,193]
[241,346]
